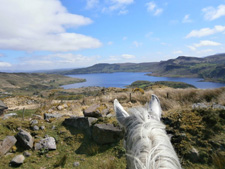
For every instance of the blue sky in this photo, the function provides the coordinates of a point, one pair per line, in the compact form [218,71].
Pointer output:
[54,34]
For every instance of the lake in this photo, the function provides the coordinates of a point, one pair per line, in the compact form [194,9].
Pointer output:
[123,79]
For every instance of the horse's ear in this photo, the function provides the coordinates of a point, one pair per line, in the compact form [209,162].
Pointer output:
[155,107]
[121,114]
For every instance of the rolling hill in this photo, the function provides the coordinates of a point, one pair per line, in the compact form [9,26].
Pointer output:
[33,81]
[210,68]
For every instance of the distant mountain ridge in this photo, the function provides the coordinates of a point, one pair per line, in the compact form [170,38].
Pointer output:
[211,68]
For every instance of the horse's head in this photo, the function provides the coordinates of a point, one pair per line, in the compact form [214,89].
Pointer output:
[146,142]
[153,110]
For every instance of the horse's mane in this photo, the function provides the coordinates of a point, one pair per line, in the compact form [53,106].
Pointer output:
[147,144]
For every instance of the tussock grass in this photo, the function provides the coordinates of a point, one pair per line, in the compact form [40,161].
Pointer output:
[218,160]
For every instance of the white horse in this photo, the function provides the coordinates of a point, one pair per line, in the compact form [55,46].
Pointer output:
[146,142]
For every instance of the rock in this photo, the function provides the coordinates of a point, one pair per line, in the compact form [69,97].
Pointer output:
[105,112]
[42,127]
[109,115]
[17,160]
[218,106]
[76,164]
[48,116]
[6,116]
[30,102]
[27,153]
[46,143]
[193,155]
[79,122]
[199,106]
[7,144]
[35,128]
[50,110]
[60,107]
[37,116]
[65,105]
[25,139]
[33,122]
[106,133]
[92,111]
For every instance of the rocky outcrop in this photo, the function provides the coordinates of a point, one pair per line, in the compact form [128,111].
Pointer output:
[80,123]
[25,139]
[106,133]
[7,144]
[101,133]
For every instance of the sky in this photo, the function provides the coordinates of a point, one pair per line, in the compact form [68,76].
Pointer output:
[55,34]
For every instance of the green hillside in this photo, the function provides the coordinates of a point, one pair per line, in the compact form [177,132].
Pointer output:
[210,68]
[31,82]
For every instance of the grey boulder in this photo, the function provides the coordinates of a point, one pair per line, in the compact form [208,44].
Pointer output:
[25,139]
[106,133]
[46,143]
[17,160]
[7,144]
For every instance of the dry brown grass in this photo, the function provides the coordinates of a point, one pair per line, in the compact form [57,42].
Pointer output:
[171,99]
[218,160]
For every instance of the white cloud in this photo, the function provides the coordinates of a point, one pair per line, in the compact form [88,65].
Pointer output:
[123,1]
[55,61]
[41,25]
[178,52]
[186,19]
[120,58]
[128,56]
[158,11]
[110,43]
[211,13]
[152,7]
[207,43]
[137,44]
[206,51]
[4,64]
[192,48]
[91,4]
[206,31]
[123,12]
[203,43]
[116,5]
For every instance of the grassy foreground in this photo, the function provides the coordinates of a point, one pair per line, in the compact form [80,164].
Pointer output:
[191,129]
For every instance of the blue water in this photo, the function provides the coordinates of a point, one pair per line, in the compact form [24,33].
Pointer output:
[124,78]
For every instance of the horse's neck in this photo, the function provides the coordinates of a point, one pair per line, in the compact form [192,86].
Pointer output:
[148,146]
